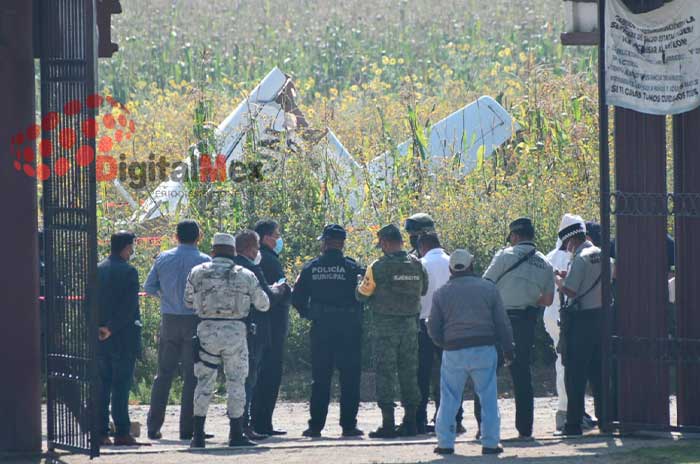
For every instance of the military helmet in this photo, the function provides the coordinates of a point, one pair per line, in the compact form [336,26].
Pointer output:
[419,222]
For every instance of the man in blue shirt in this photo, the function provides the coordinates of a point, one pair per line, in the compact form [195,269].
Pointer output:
[167,280]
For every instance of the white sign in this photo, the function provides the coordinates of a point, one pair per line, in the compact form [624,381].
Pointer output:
[653,59]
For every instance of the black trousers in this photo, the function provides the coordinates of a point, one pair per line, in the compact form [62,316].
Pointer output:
[256,347]
[428,355]
[583,364]
[116,370]
[523,323]
[336,342]
[174,349]
[270,375]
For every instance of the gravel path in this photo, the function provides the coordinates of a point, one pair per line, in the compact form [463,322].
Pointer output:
[293,449]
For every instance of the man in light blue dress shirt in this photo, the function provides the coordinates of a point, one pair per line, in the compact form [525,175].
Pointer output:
[167,280]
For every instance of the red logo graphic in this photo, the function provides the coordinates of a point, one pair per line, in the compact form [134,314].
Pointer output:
[63,132]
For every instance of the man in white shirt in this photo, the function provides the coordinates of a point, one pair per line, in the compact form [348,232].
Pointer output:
[437,264]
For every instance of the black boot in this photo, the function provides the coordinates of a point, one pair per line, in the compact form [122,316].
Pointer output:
[408,425]
[388,428]
[235,436]
[248,430]
[198,432]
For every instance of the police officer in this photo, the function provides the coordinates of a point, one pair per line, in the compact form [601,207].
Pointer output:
[392,286]
[221,293]
[415,226]
[524,278]
[581,319]
[325,294]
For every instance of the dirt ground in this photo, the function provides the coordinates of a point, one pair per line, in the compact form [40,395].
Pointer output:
[293,448]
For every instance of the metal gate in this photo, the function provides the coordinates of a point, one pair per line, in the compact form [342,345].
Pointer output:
[643,340]
[68,75]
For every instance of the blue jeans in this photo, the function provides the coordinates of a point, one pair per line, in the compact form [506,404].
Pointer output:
[479,363]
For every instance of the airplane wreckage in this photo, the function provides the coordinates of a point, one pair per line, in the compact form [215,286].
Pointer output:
[469,135]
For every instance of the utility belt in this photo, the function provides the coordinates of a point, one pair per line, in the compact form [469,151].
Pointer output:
[575,312]
[529,313]
[252,326]
[197,345]
[319,309]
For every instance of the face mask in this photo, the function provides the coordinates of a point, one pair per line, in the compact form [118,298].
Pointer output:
[257,259]
[414,241]
[133,252]
[279,243]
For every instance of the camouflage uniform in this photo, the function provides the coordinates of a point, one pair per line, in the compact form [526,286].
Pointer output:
[221,294]
[392,287]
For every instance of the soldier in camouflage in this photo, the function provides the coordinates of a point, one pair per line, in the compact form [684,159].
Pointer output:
[415,226]
[221,293]
[392,287]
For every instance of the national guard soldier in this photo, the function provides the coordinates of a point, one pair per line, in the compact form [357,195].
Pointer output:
[581,324]
[392,286]
[524,278]
[325,294]
[221,293]
[415,226]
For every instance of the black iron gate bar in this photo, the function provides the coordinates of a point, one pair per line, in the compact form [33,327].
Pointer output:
[654,204]
[664,350]
[672,350]
[68,72]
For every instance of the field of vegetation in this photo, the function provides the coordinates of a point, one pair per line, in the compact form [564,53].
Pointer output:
[377,72]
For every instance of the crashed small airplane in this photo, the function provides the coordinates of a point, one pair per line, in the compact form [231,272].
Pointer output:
[468,135]
[270,106]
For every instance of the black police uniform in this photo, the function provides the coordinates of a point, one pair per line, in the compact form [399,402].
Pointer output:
[325,294]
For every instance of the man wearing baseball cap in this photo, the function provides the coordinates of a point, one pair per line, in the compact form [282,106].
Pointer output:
[222,294]
[468,321]
[325,294]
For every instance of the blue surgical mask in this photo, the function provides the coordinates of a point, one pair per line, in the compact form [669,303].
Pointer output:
[279,244]
[258,259]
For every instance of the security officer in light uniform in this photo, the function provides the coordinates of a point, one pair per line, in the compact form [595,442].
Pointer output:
[581,325]
[325,294]
[524,278]
[221,293]
[392,286]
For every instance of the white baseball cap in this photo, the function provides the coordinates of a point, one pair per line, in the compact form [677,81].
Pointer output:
[460,260]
